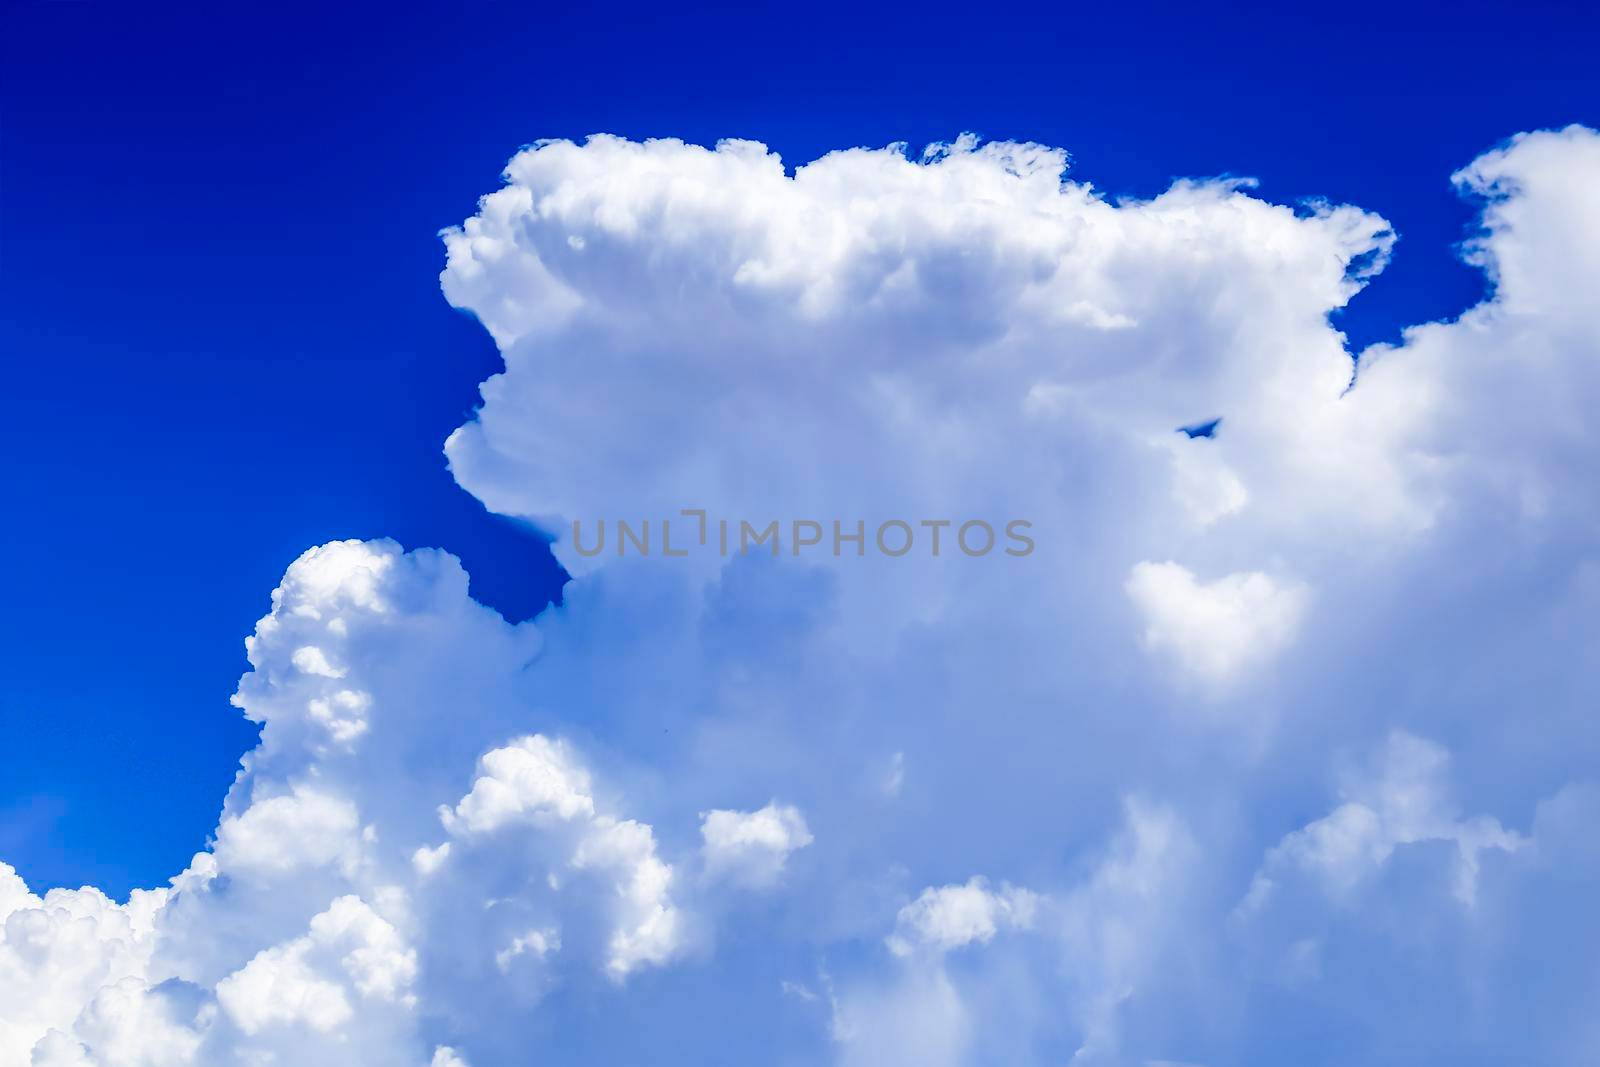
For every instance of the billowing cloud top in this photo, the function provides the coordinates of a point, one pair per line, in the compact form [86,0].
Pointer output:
[1008,626]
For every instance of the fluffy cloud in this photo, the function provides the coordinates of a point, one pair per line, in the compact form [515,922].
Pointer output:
[1055,985]
[461,840]
[280,833]
[1215,629]
[57,952]
[751,847]
[347,881]
[956,915]
[533,779]
[1407,803]
[281,985]
[965,335]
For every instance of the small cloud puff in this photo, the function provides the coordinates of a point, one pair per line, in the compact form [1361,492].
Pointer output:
[952,916]
[751,848]
[1215,630]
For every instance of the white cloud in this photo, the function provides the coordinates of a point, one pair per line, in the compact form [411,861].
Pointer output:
[533,778]
[312,660]
[648,929]
[1405,800]
[539,781]
[536,943]
[938,335]
[1215,629]
[59,950]
[285,985]
[751,847]
[1089,947]
[456,832]
[126,1025]
[1126,918]
[427,860]
[951,916]
[276,834]
[278,987]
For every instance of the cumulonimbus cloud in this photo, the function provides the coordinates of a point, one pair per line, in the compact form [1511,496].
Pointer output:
[466,842]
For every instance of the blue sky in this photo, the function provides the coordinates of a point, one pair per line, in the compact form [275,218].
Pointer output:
[225,340]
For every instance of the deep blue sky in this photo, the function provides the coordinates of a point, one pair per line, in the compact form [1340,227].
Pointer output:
[224,340]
